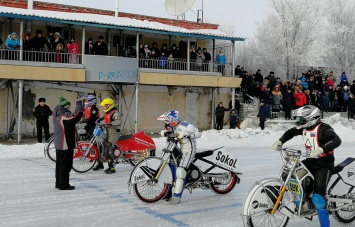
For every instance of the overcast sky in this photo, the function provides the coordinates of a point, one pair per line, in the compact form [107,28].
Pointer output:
[240,14]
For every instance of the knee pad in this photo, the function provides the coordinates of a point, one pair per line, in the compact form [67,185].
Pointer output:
[318,201]
[180,173]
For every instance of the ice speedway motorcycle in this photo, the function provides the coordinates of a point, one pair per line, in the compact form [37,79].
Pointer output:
[130,148]
[153,177]
[273,201]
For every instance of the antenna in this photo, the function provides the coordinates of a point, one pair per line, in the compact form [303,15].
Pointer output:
[178,7]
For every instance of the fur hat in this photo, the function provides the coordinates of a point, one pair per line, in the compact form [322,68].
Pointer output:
[63,102]
[41,100]
[39,32]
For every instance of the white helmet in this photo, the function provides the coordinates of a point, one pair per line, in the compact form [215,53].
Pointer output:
[306,116]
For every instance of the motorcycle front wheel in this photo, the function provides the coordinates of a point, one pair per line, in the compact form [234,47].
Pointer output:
[49,149]
[225,184]
[150,190]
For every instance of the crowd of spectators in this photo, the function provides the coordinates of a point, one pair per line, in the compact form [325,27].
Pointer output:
[328,92]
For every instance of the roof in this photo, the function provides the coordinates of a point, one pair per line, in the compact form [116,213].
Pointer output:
[95,20]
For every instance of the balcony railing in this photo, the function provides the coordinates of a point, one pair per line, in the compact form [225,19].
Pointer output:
[181,64]
[41,56]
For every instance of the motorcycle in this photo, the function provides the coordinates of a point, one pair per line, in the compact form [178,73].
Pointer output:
[153,177]
[130,148]
[49,148]
[273,201]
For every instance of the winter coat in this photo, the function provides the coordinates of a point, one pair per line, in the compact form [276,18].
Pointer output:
[258,78]
[233,118]
[100,48]
[88,49]
[276,97]
[64,126]
[56,45]
[221,59]
[12,44]
[300,99]
[175,53]
[200,59]
[27,45]
[288,100]
[42,112]
[239,72]
[263,112]
[208,56]
[73,48]
[343,77]
[38,43]
[236,105]
[220,112]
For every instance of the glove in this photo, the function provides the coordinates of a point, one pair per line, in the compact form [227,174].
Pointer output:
[315,153]
[163,133]
[277,146]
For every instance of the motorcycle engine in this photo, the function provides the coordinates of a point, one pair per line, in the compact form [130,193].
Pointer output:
[193,175]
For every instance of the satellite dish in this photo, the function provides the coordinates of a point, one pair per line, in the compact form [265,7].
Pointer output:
[178,7]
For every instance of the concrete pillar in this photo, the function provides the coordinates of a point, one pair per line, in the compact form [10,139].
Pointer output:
[19,120]
[188,54]
[83,46]
[136,115]
[21,40]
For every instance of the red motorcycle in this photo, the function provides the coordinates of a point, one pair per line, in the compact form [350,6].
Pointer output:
[129,149]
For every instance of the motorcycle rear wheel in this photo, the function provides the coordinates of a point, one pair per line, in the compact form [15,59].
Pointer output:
[345,215]
[49,148]
[224,186]
[267,219]
[142,155]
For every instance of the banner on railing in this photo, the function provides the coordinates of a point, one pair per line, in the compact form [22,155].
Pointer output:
[111,69]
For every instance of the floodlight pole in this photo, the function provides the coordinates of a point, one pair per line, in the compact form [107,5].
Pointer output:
[116,8]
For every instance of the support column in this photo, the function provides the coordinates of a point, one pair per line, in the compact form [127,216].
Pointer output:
[213,108]
[19,120]
[233,66]
[21,40]
[136,117]
[188,54]
[137,47]
[109,41]
[9,117]
[83,46]
[213,54]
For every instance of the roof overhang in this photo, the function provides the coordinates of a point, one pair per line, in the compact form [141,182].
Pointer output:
[103,21]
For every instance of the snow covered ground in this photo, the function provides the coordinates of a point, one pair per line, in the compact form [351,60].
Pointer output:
[28,196]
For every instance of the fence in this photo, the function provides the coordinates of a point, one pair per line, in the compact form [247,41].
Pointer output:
[41,56]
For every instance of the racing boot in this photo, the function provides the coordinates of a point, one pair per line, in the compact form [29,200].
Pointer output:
[98,166]
[323,215]
[179,187]
[111,167]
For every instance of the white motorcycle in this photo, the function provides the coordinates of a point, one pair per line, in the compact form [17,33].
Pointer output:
[153,177]
[273,201]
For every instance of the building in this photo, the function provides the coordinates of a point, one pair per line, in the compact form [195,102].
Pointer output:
[144,86]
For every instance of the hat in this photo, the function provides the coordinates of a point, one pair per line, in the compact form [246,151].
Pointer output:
[101,37]
[90,39]
[14,33]
[41,100]
[272,72]
[57,34]
[39,32]
[63,102]
[261,100]
[174,45]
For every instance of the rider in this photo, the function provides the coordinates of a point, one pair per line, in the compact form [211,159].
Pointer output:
[91,113]
[112,120]
[187,135]
[320,141]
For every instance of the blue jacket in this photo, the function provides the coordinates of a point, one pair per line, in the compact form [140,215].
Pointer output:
[343,77]
[12,44]
[221,59]
[263,112]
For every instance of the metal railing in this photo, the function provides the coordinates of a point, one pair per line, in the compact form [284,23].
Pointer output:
[41,56]
[182,64]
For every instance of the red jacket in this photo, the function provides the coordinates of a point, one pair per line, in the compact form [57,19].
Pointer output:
[300,99]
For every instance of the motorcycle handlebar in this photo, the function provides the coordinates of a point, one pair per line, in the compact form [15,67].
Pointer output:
[293,152]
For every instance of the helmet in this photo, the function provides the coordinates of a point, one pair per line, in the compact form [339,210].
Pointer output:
[107,104]
[90,100]
[306,116]
[171,118]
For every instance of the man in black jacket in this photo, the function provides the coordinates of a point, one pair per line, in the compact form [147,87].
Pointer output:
[320,141]
[100,47]
[42,112]
[220,109]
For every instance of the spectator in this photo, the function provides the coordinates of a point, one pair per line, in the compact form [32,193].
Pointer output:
[346,95]
[174,51]
[343,77]
[164,50]
[351,105]
[331,98]
[300,98]
[266,96]
[39,41]
[220,109]
[324,104]
[200,58]
[193,56]
[236,104]
[207,60]
[57,43]
[12,43]
[308,74]
[27,46]
[73,50]
[308,96]
[155,48]
[221,61]
[1,42]
[352,88]
[153,62]
[339,99]
[288,103]
[239,72]
[263,114]
[332,77]
[162,61]
[42,112]
[233,119]
[89,47]
[272,80]
[64,140]
[258,77]
[100,47]
[315,98]
[276,98]
[330,82]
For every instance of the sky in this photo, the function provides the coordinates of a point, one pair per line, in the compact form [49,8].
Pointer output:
[238,14]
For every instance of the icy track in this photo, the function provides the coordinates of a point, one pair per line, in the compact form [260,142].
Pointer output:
[28,196]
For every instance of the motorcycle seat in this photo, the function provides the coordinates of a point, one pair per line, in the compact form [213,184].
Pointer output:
[341,165]
[126,137]
[204,154]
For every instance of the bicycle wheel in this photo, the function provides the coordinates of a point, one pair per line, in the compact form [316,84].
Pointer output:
[49,149]
[145,186]
[224,184]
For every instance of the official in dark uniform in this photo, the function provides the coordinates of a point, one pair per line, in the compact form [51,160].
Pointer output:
[42,113]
